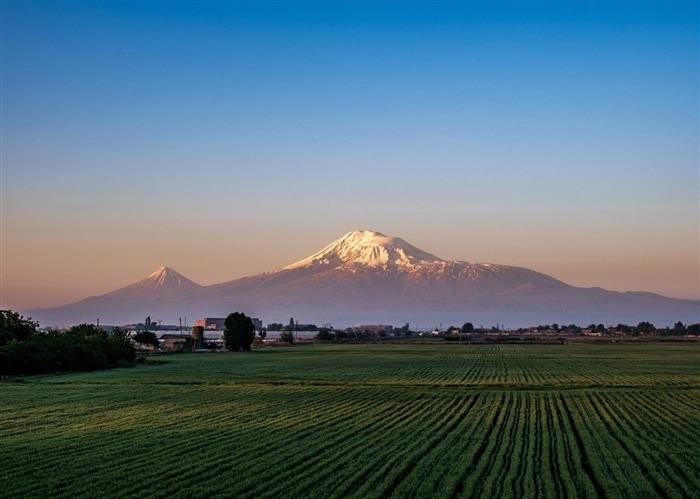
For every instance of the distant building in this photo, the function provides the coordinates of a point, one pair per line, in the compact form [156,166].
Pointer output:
[212,323]
[219,323]
[176,342]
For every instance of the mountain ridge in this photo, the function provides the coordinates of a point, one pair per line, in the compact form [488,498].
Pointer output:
[367,276]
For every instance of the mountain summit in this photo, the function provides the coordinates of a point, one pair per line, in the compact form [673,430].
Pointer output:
[164,278]
[368,277]
[367,247]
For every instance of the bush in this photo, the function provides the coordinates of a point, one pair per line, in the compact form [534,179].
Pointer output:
[82,348]
[325,334]
[146,338]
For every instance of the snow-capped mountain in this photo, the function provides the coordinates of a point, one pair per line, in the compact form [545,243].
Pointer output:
[369,248]
[373,253]
[163,281]
[369,277]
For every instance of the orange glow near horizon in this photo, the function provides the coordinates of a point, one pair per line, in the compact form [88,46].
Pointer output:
[68,270]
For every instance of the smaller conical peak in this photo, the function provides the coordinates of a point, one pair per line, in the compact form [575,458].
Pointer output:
[369,248]
[166,277]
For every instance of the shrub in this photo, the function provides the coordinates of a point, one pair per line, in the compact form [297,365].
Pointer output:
[82,348]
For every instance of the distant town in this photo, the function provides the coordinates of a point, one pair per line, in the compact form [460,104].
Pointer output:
[207,334]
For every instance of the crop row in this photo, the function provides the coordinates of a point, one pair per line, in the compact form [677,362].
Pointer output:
[490,366]
[263,441]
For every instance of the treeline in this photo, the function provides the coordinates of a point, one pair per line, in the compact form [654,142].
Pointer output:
[454,333]
[329,334]
[86,347]
[643,328]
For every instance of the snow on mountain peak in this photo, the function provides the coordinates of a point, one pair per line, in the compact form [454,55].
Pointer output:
[367,247]
[165,277]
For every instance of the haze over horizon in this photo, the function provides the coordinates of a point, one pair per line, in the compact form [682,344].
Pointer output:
[228,140]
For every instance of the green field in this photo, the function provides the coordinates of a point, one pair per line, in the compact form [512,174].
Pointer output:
[364,420]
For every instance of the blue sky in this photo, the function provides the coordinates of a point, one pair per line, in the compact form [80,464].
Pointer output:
[559,136]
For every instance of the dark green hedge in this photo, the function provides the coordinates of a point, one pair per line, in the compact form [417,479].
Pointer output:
[81,348]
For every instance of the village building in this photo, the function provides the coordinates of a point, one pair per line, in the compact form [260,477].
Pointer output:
[219,323]
[176,342]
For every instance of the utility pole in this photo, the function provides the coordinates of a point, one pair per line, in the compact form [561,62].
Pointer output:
[180,318]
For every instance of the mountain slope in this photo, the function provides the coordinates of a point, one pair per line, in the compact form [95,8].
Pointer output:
[366,276]
[154,293]
[164,281]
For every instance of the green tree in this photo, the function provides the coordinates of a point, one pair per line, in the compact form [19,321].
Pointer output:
[287,337]
[325,334]
[119,348]
[86,330]
[239,332]
[13,326]
[146,338]
[679,328]
[645,328]
[467,328]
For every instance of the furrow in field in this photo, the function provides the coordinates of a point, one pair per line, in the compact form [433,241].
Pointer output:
[625,429]
[524,476]
[342,445]
[427,459]
[118,441]
[273,440]
[634,467]
[671,430]
[684,423]
[580,458]
[172,442]
[441,474]
[616,480]
[472,483]
[335,460]
[390,463]
[550,482]
[504,453]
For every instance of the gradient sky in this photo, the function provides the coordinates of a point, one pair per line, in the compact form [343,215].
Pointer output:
[229,139]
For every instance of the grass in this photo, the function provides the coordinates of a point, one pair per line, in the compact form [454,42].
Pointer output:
[366,421]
